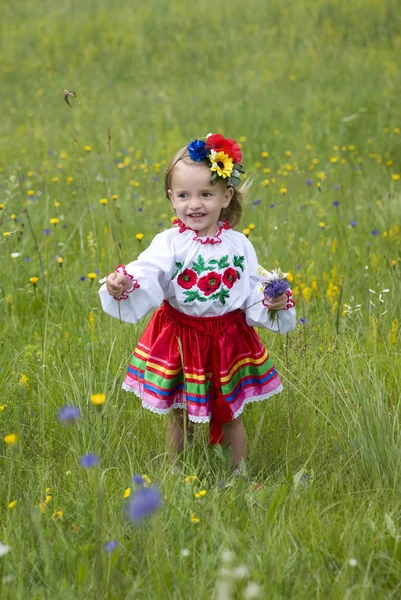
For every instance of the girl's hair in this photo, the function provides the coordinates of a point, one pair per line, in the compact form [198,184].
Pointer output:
[233,212]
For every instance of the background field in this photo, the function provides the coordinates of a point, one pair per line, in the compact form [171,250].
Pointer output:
[312,90]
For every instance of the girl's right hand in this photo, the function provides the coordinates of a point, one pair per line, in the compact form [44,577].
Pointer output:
[116,284]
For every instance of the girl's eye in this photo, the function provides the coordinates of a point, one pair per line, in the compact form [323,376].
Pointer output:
[181,195]
[206,194]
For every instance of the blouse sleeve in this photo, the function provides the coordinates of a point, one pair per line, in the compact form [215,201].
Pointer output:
[150,277]
[257,313]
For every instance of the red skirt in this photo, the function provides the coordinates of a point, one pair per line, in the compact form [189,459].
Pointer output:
[211,366]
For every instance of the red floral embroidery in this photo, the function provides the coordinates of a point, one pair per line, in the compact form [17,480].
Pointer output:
[209,283]
[209,240]
[230,276]
[187,279]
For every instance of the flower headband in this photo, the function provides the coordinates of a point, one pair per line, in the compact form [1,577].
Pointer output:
[223,154]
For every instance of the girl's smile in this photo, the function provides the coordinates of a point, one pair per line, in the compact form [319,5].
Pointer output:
[197,202]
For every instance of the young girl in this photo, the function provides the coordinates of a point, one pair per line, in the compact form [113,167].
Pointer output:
[200,351]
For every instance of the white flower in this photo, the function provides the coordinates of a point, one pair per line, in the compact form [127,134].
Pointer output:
[227,556]
[352,562]
[239,572]
[185,552]
[4,549]
[15,254]
[252,590]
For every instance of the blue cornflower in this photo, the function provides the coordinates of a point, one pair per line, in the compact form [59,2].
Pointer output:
[374,232]
[336,186]
[138,479]
[272,205]
[353,223]
[143,504]
[308,181]
[335,203]
[275,288]
[89,460]
[69,414]
[47,231]
[257,202]
[160,224]
[140,209]
[302,321]
[27,259]
[197,150]
[111,546]
[82,278]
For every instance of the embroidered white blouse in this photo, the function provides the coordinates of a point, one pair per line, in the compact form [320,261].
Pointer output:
[200,276]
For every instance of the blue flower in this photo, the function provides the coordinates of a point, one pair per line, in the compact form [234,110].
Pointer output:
[197,150]
[82,278]
[335,203]
[47,231]
[138,479]
[89,460]
[302,321]
[336,187]
[374,232]
[145,502]
[256,202]
[353,223]
[308,181]
[111,546]
[69,414]
[272,205]
[275,288]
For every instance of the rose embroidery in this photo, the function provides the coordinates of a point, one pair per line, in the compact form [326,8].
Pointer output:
[230,276]
[187,279]
[209,283]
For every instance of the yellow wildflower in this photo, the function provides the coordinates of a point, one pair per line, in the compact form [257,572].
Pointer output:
[266,182]
[103,201]
[54,221]
[98,399]
[59,260]
[34,280]
[23,379]
[2,407]
[92,276]
[246,231]
[190,479]
[251,226]
[114,197]
[288,153]
[88,148]
[265,155]
[12,504]
[147,479]
[10,439]
[30,193]
[127,493]
[322,224]
[7,233]
[139,236]
[395,176]
[58,514]
[55,179]
[194,518]
[290,277]
[200,494]
[283,190]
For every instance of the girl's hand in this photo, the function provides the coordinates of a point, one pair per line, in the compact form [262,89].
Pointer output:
[116,283]
[278,303]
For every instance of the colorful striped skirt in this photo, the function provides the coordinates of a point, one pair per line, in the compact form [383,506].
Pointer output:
[212,366]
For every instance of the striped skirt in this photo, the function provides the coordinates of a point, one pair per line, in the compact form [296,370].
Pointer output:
[212,366]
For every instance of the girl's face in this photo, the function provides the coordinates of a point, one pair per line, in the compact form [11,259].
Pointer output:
[196,201]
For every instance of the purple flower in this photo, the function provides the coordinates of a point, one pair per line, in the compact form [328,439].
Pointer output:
[145,502]
[335,203]
[111,546]
[336,187]
[374,232]
[353,223]
[138,480]
[82,278]
[27,259]
[308,181]
[302,321]
[256,202]
[197,150]
[47,231]
[89,460]
[69,414]
[272,205]
[276,287]
[140,209]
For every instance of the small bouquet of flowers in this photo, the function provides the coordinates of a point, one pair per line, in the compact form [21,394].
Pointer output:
[273,284]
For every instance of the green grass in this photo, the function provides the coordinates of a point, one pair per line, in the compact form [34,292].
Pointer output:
[318,79]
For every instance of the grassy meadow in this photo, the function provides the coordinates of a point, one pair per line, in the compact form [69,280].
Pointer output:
[312,91]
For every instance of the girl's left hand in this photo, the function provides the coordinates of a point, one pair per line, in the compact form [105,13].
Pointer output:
[278,303]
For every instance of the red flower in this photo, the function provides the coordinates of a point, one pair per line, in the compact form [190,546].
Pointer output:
[209,283]
[187,279]
[230,276]
[228,146]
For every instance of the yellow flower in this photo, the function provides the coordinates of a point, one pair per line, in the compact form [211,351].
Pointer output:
[246,231]
[30,193]
[194,518]
[265,155]
[114,197]
[222,164]
[288,153]
[10,439]
[42,506]
[13,216]
[139,236]
[147,479]
[290,277]
[322,224]
[7,233]
[1,205]
[58,514]
[98,399]
[127,493]
[55,179]
[395,176]
[283,190]
[242,138]
[103,201]
[54,221]
[23,379]
[12,504]
[2,407]
[92,276]
[56,204]
[88,148]
[251,226]
[48,499]
[396,130]
[393,263]
[190,479]
[266,182]
[334,159]
[34,280]
[59,260]
[200,494]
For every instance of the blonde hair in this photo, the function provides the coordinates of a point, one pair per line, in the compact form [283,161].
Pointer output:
[233,212]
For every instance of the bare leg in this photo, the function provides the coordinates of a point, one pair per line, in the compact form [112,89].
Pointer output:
[176,433]
[235,438]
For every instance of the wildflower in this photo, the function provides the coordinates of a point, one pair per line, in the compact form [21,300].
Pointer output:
[353,223]
[146,480]
[58,514]
[127,492]
[98,399]
[200,494]
[15,254]
[393,263]
[89,461]
[145,502]
[308,181]
[251,226]
[336,203]
[193,518]
[2,407]
[322,225]
[302,321]
[266,182]
[374,232]
[352,562]
[55,179]
[185,552]
[139,236]
[54,221]
[47,231]
[246,231]
[103,201]
[69,414]
[10,439]
[7,234]
[88,148]
[12,504]
[30,193]
[138,479]
[283,190]
[59,260]
[395,176]
[92,276]
[4,549]
[111,546]
[114,197]
[288,153]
